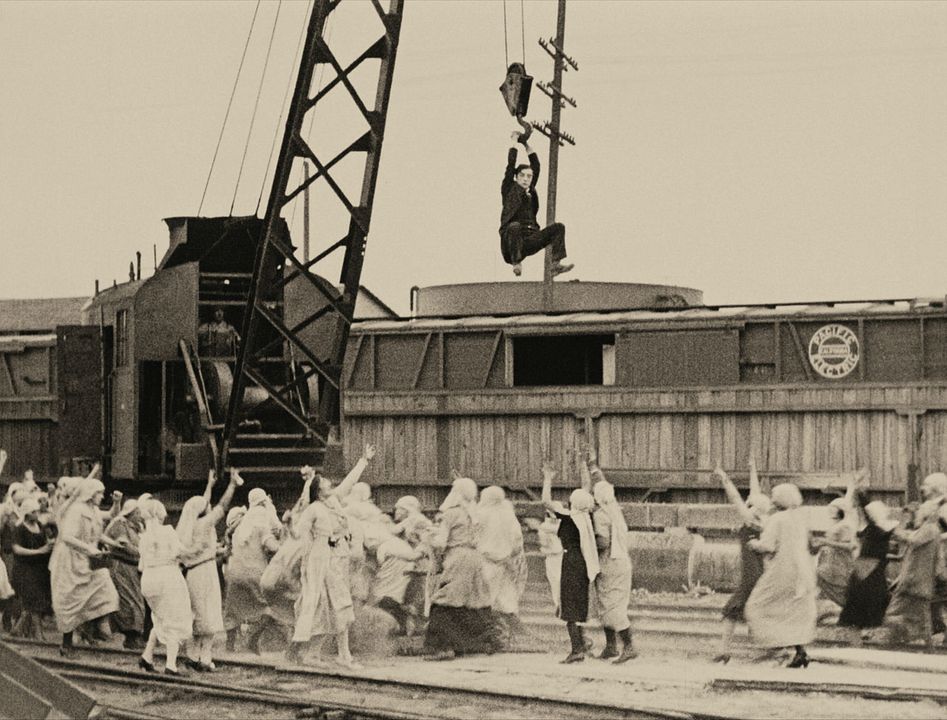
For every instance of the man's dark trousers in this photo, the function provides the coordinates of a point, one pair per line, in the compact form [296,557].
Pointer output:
[519,240]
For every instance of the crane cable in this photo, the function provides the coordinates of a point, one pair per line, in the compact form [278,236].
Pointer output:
[233,92]
[283,108]
[506,40]
[256,106]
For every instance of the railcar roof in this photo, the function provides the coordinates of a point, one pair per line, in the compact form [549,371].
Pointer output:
[791,311]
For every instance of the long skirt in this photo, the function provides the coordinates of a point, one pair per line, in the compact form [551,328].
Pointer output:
[281,582]
[866,599]
[244,601]
[462,582]
[130,616]
[203,586]
[463,630]
[324,605]
[833,573]
[908,619]
[507,582]
[30,580]
[80,594]
[166,593]
[613,591]
[573,588]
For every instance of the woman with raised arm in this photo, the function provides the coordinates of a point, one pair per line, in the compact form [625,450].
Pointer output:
[461,620]
[867,597]
[580,565]
[837,550]
[82,589]
[324,606]
[613,584]
[752,513]
[781,610]
[197,531]
[163,586]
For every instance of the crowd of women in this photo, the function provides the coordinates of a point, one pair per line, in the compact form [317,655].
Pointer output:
[303,576]
[308,574]
[787,573]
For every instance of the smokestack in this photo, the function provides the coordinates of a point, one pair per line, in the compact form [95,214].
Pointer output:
[131,271]
[96,287]
[137,265]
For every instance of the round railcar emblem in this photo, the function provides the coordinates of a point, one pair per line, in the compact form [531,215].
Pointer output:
[833,351]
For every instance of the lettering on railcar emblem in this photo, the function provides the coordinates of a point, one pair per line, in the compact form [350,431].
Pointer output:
[834,351]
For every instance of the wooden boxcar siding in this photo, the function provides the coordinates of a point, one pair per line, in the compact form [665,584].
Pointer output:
[30,444]
[658,354]
[503,435]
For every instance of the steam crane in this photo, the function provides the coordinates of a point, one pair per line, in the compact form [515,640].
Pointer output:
[285,384]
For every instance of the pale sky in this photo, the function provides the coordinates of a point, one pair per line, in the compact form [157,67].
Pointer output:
[762,152]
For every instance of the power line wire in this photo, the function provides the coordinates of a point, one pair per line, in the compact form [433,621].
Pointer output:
[283,108]
[256,106]
[233,92]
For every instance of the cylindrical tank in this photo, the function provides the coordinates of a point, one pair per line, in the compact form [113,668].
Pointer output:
[510,298]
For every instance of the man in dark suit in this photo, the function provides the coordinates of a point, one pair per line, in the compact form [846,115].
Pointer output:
[520,234]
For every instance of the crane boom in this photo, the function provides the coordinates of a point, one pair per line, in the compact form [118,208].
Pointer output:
[266,328]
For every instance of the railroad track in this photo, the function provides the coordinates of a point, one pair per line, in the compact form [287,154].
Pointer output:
[315,693]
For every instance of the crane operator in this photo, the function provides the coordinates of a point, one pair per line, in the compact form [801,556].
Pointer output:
[520,234]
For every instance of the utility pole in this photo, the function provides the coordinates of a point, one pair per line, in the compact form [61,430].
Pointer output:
[551,129]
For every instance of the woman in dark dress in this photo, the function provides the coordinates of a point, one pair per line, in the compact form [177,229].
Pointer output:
[30,577]
[753,513]
[867,598]
[580,562]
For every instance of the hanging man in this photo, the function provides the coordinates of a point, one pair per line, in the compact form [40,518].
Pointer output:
[520,234]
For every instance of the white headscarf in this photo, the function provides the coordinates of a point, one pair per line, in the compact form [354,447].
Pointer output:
[463,493]
[580,508]
[937,482]
[786,496]
[604,493]
[877,513]
[500,534]
[189,513]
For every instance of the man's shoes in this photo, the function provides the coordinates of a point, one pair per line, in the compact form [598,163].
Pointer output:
[518,269]
[559,268]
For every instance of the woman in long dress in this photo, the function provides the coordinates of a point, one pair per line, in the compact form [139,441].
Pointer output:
[580,564]
[753,514]
[324,606]
[82,588]
[255,540]
[908,617]
[163,587]
[613,583]
[461,621]
[500,541]
[867,597]
[836,554]
[197,532]
[30,578]
[781,610]
[123,532]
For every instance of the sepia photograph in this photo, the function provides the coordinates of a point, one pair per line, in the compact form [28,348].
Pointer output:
[473,359]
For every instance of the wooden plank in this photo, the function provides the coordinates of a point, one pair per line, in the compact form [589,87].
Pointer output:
[800,350]
[420,367]
[492,358]
[61,695]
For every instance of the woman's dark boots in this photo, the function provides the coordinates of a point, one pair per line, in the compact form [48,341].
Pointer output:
[627,650]
[578,644]
[611,645]
[800,659]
